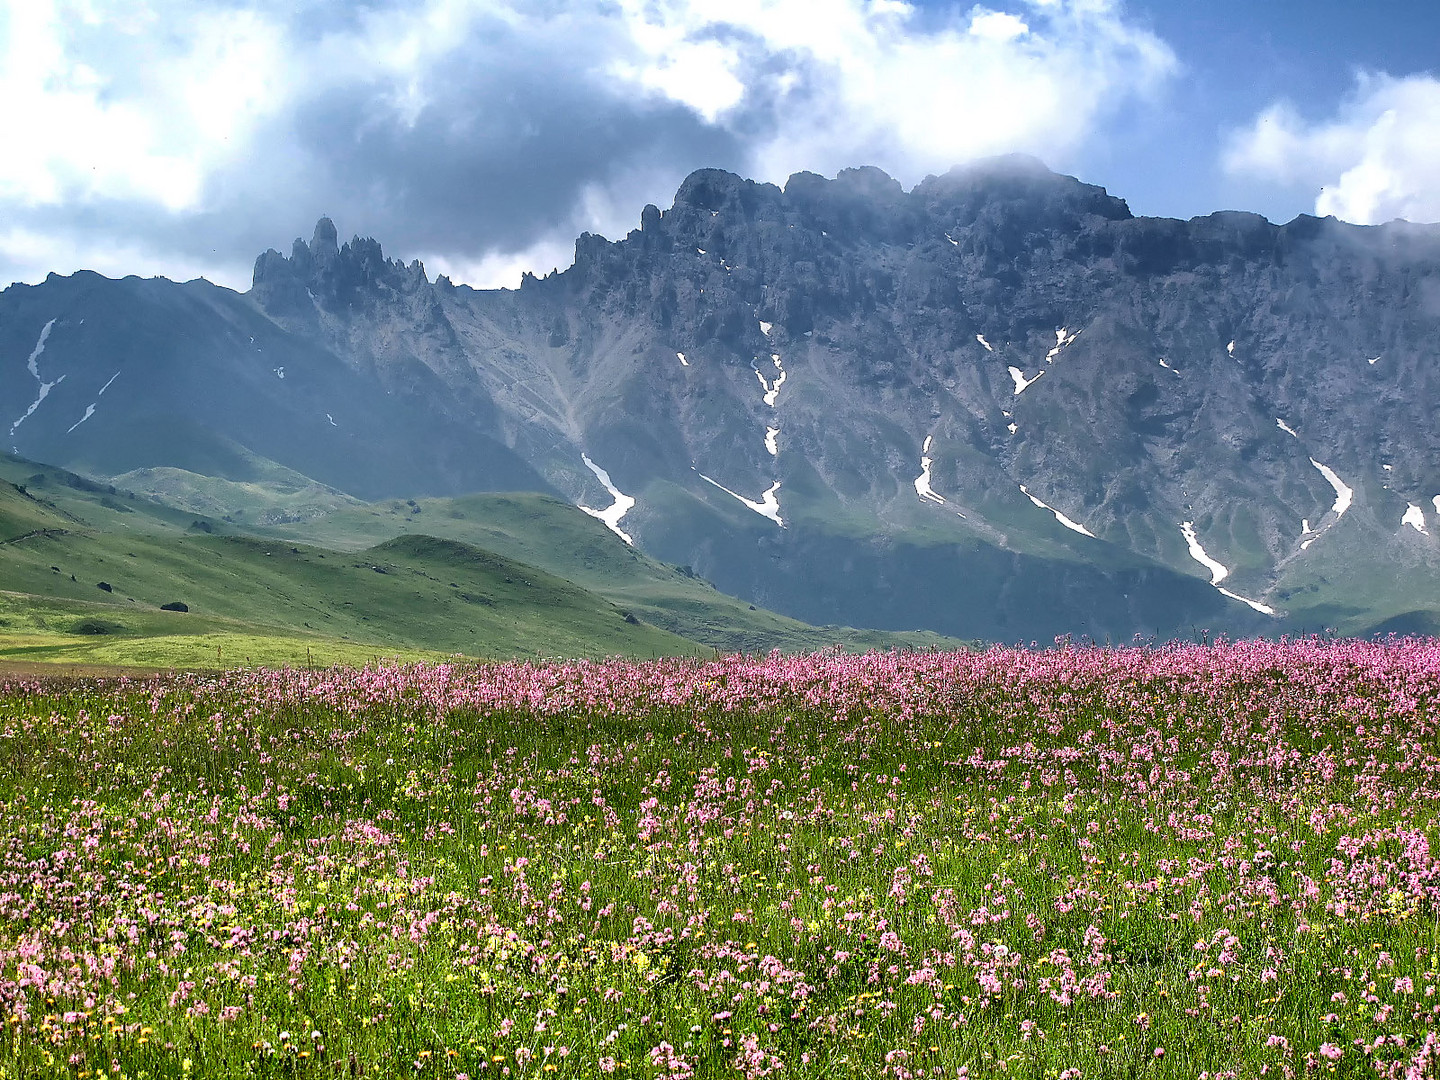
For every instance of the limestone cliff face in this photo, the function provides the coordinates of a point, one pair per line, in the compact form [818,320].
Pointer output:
[997,404]
[1014,329]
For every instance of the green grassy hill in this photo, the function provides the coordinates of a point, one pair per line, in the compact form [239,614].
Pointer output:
[22,514]
[87,567]
[93,566]
[391,595]
[38,634]
[569,543]
[276,495]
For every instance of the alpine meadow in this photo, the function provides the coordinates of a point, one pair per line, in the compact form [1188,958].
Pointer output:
[1158,862]
[696,540]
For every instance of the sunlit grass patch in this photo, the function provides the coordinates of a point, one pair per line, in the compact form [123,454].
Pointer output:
[198,651]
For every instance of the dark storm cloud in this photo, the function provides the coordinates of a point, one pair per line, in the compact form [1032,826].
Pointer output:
[499,155]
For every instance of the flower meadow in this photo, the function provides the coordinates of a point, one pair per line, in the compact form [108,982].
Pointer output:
[1189,861]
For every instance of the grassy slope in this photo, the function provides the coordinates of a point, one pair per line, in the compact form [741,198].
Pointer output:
[418,598]
[569,543]
[279,495]
[88,637]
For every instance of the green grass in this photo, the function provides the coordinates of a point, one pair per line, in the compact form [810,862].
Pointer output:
[559,582]
[570,544]
[276,496]
[1145,869]
[64,538]
[406,594]
[21,515]
[192,652]
[36,633]
[67,499]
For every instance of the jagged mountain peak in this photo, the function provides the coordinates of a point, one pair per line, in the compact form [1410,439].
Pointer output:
[325,244]
[716,190]
[1006,202]
[995,402]
[870,180]
[324,274]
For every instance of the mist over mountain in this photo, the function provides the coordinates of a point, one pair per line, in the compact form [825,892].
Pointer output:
[996,405]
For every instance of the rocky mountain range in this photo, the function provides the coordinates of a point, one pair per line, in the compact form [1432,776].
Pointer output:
[997,405]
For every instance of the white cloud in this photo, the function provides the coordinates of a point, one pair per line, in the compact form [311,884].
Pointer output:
[114,257]
[607,209]
[824,84]
[94,110]
[1376,159]
[502,269]
[997,25]
[480,133]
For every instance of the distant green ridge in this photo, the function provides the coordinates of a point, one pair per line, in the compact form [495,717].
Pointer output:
[495,575]
[567,542]
[73,552]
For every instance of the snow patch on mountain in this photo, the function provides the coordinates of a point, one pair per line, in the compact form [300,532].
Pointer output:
[612,514]
[772,444]
[33,365]
[981,339]
[1063,337]
[1264,609]
[1020,381]
[681,357]
[32,361]
[89,412]
[767,507]
[1073,526]
[922,482]
[1218,570]
[1415,518]
[1285,427]
[90,409]
[772,389]
[1344,494]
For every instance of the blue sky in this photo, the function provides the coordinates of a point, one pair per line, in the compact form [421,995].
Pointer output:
[183,137]
[1237,58]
